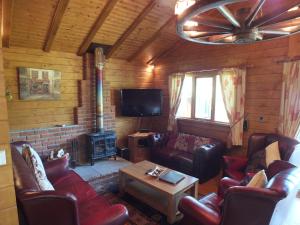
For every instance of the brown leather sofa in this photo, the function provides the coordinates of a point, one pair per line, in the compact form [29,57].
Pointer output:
[203,162]
[240,205]
[74,201]
[234,167]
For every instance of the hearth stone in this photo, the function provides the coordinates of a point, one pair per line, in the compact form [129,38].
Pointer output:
[103,176]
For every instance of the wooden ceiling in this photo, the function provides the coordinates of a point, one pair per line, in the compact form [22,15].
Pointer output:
[136,29]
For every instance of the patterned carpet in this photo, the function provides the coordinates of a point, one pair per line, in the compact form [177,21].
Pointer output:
[139,213]
[103,177]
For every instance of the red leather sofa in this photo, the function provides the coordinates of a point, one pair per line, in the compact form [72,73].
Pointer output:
[239,205]
[74,201]
[202,157]
[234,167]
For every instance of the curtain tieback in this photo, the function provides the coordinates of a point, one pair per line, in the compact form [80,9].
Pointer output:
[237,121]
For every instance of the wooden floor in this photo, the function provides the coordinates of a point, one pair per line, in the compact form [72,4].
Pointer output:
[209,186]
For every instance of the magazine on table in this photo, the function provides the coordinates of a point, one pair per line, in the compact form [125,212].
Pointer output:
[156,172]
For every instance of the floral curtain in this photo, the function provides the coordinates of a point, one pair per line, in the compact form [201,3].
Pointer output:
[233,84]
[289,121]
[175,87]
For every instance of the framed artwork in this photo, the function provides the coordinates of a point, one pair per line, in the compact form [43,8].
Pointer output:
[39,84]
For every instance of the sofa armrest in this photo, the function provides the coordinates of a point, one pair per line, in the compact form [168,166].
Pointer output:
[225,184]
[277,166]
[114,215]
[56,168]
[50,207]
[158,140]
[240,200]
[198,212]
[207,160]
[235,163]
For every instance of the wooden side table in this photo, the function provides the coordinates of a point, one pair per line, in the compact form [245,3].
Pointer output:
[138,146]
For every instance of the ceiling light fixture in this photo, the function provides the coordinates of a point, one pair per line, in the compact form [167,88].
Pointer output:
[236,21]
[182,5]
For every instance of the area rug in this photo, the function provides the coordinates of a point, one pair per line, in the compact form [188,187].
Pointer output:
[139,213]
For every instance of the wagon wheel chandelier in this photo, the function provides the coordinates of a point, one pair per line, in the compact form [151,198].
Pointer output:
[236,21]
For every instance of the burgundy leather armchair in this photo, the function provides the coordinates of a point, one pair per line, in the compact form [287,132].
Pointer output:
[241,204]
[234,167]
[74,201]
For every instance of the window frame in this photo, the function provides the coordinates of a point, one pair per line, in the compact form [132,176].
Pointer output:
[205,74]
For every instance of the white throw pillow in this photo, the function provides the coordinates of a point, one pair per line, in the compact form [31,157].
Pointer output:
[259,180]
[272,153]
[34,161]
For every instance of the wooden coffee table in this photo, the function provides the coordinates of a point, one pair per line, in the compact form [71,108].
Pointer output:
[158,194]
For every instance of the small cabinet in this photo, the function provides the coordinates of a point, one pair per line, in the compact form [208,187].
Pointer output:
[139,149]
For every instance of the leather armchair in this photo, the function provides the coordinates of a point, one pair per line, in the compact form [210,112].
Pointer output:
[234,167]
[241,204]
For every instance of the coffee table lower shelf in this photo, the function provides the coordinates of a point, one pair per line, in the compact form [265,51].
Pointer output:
[163,203]
[159,195]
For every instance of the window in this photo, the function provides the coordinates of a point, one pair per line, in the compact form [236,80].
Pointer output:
[202,98]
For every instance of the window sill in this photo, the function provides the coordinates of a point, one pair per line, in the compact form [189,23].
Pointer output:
[208,122]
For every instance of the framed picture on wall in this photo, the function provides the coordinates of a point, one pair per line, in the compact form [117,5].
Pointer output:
[39,84]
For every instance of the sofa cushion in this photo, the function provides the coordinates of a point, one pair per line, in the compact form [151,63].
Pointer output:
[257,162]
[235,174]
[34,162]
[166,153]
[185,162]
[87,208]
[190,143]
[212,201]
[73,183]
[199,141]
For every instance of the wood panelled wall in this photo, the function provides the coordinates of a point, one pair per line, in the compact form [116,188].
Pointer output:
[122,74]
[8,210]
[37,114]
[264,77]
[25,115]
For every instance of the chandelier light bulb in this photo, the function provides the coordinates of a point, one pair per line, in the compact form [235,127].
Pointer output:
[182,5]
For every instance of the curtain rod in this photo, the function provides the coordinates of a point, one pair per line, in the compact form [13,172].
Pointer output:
[289,59]
[242,66]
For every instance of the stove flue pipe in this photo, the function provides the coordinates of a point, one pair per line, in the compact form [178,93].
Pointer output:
[99,64]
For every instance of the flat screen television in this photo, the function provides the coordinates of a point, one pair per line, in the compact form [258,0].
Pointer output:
[141,102]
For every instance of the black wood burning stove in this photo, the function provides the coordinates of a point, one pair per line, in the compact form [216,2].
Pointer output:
[101,145]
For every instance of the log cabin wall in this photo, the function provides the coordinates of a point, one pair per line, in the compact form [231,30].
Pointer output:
[40,114]
[263,82]
[8,209]
[34,121]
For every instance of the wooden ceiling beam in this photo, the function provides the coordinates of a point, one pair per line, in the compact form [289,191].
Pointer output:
[166,52]
[7,11]
[97,25]
[55,23]
[131,28]
[152,38]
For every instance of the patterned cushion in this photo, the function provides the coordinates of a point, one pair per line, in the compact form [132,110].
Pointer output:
[199,141]
[34,162]
[189,143]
